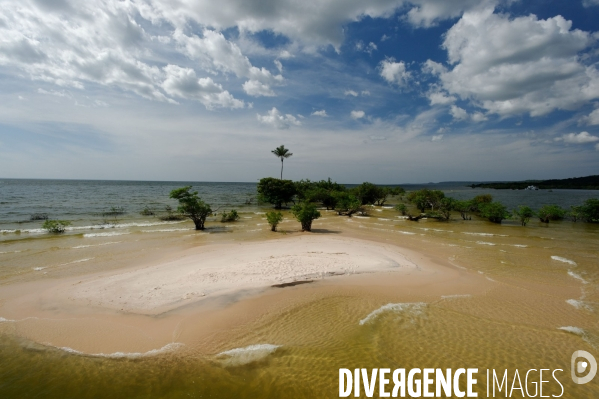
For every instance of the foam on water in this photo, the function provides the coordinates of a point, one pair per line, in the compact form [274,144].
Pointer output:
[573,330]
[75,261]
[129,355]
[484,243]
[116,233]
[37,269]
[164,230]
[3,320]
[95,245]
[484,234]
[456,296]
[10,252]
[520,245]
[578,304]
[577,276]
[564,260]
[248,354]
[414,308]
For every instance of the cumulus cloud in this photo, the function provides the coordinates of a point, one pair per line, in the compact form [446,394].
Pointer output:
[590,3]
[517,65]
[357,114]
[437,137]
[320,113]
[458,113]
[580,138]
[440,98]
[394,72]
[592,118]
[183,83]
[478,117]
[351,93]
[276,119]
[427,13]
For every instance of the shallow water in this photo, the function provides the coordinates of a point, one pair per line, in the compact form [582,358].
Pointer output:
[541,306]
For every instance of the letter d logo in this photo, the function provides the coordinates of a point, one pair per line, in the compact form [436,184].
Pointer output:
[581,366]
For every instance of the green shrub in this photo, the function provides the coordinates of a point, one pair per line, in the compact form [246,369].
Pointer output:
[276,191]
[170,215]
[274,218]
[305,213]
[523,214]
[55,226]
[590,210]
[192,206]
[146,212]
[551,212]
[425,198]
[348,204]
[402,208]
[494,211]
[464,207]
[480,200]
[229,217]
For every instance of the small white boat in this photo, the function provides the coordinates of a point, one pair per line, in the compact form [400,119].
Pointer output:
[531,188]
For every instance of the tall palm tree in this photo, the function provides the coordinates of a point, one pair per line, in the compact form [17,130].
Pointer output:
[282,152]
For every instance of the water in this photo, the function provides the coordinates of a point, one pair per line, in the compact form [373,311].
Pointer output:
[539,301]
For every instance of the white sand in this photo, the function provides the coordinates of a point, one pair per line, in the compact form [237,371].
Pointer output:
[218,269]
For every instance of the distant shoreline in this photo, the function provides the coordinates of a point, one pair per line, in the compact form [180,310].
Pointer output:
[574,183]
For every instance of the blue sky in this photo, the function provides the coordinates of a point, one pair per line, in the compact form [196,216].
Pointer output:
[388,91]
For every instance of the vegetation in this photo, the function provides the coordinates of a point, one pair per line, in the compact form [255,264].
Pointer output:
[229,217]
[55,226]
[402,208]
[191,206]
[494,211]
[551,212]
[523,214]
[348,204]
[170,215]
[589,211]
[444,208]
[305,213]
[147,212]
[282,153]
[464,208]
[426,199]
[114,211]
[480,200]
[274,218]
[324,192]
[574,183]
[276,191]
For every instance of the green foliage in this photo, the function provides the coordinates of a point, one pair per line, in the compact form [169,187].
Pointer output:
[229,217]
[523,214]
[590,210]
[464,207]
[402,208]
[323,192]
[282,153]
[575,213]
[191,206]
[494,211]
[274,218]
[305,213]
[371,194]
[480,200]
[551,212]
[444,208]
[146,212]
[426,199]
[170,215]
[55,226]
[276,191]
[348,204]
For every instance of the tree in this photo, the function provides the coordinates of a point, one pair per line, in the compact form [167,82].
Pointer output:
[305,213]
[445,207]
[191,206]
[348,204]
[480,200]
[274,218]
[590,210]
[276,191]
[55,226]
[401,208]
[282,152]
[551,212]
[425,198]
[494,211]
[463,207]
[523,214]
[229,217]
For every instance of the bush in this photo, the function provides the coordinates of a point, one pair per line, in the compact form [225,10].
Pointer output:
[425,198]
[494,211]
[589,211]
[445,207]
[229,217]
[523,214]
[55,226]
[402,208]
[480,200]
[305,213]
[348,204]
[274,218]
[464,207]
[170,216]
[191,206]
[146,212]
[551,212]
[276,191]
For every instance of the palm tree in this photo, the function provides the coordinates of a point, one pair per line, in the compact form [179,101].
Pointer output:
[282,152]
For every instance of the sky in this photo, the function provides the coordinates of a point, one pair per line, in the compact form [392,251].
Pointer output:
[386,91]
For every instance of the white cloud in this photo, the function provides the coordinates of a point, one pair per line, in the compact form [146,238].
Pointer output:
[385,38]
[580,138]
[357,114]
[351,93]
[458,113]
[597,147]
[592,118]
[590,3]
[279,65]
[517,65]
[183,83]
[394,72]
[478,117]
[440,98]
[319,113]
[426,13]
[56,93]
[278,120]
[365,93]
[437,137]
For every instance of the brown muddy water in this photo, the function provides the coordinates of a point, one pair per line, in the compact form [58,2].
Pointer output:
[535,304]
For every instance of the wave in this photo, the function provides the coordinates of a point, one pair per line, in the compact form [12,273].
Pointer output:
[248,354]
[37,269]
[164,230]
[75,261]
[96,245]
[485,243]
[485,234]
[564,260]
[3,320]
[414,308]
[384,219]
[578,304]
[10,252]
[456,296]
[113,234]
[577,276]
[128,355]
[520,245]
[573,330]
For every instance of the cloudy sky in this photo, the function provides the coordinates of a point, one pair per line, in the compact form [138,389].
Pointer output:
[388,91]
